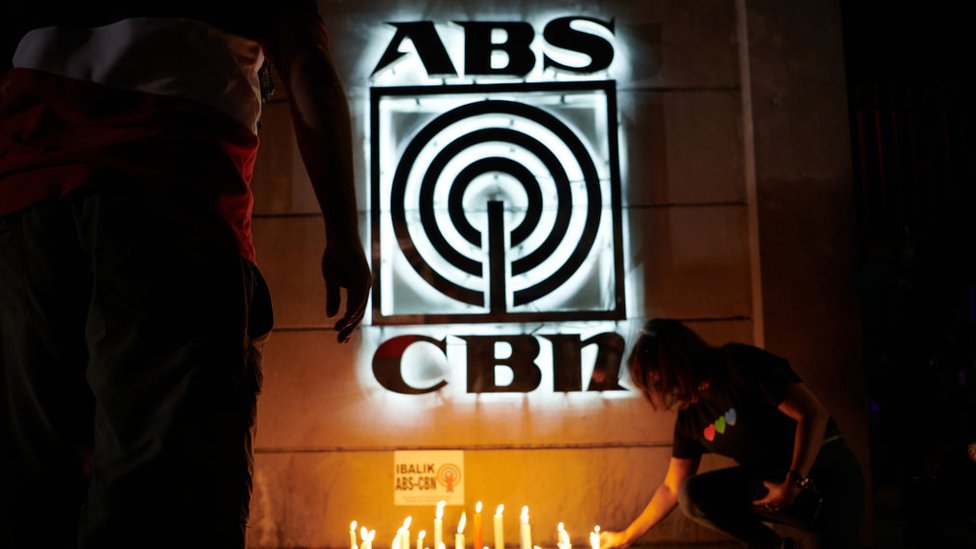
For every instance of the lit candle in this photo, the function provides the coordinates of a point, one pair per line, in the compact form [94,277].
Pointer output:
[477,526]
[499,528]
[369,539]
[352,535]
[595,538]
[563,537]
[439,524]
[396,540]
[364,536]
[405,540]
[525,531]
[420,539]
[459,537]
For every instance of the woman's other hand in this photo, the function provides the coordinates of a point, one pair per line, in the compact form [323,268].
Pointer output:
[779,495]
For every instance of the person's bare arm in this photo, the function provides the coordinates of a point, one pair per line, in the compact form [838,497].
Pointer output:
[298,49]
[811,422]
[664,500]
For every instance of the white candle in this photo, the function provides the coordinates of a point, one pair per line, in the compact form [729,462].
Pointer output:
[563,537]
[459,537]
[405,540]
[363,537]
[396,540]
[439,524]
[352,535]
[499,528]
[595,538]
[420,539]
[525,531]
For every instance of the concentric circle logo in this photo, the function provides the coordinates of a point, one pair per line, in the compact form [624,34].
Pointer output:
[494,204]
[449,475]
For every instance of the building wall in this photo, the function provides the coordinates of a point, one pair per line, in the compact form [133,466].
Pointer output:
[698,246]
[806,206]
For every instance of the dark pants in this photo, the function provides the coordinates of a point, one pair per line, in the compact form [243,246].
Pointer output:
[128,374]
[722,499]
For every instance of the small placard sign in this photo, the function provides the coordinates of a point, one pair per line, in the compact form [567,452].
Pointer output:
[426,477]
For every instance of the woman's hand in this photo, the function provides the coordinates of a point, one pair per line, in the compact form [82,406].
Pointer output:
[780,495]
[610,540]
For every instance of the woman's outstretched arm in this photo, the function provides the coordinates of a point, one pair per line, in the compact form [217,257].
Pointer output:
[664,500]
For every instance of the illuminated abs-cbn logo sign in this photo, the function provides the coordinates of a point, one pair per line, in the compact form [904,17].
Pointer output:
[498,201]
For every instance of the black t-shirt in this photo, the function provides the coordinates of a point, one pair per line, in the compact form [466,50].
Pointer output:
[249,18]
[738,416]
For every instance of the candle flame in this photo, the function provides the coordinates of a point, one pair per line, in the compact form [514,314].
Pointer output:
[407,521]
[363,533]
[525,513]
[477,507]
[422,534]
[560,527]
[464,519]
[501,507]
[352,526]
[440,509]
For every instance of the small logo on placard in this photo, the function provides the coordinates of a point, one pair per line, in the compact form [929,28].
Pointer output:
[448,475]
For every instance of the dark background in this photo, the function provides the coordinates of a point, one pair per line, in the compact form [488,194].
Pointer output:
[912,130]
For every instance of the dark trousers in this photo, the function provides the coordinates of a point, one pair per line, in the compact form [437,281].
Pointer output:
[129,373]
[722,500]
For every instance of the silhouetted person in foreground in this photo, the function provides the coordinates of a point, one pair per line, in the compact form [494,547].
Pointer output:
[747,404]
[131,309]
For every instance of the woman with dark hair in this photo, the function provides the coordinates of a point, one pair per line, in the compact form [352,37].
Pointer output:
[794,466]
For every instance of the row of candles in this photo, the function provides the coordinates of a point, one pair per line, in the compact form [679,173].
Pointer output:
[402,539]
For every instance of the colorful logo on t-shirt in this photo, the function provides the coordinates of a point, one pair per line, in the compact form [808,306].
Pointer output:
[719,426]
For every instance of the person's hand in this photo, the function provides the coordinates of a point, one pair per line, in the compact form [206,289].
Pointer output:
[780,495]
[610,540]
[344,266]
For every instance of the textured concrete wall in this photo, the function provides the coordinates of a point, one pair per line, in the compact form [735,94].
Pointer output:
[327,430]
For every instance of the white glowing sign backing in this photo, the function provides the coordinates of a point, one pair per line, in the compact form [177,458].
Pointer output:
[496,203]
